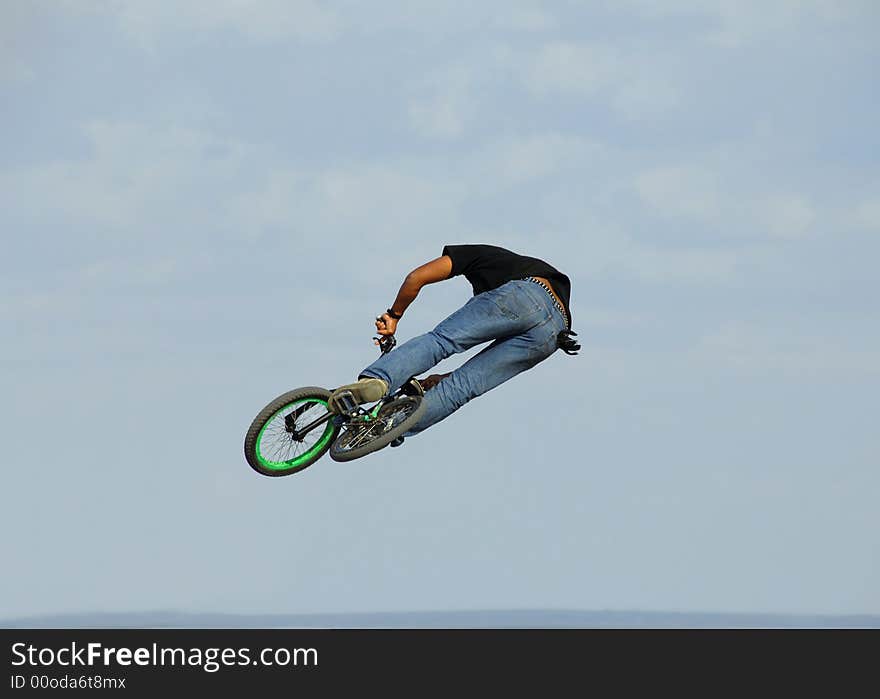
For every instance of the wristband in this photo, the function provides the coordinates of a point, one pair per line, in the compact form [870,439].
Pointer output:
[394,315]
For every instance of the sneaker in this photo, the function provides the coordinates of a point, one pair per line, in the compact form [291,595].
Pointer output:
[366,390]
[412,387]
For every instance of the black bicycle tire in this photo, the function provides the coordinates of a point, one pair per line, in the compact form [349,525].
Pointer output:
[387,437]
[250,440]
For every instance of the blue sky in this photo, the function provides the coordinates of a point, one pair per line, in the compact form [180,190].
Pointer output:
[203,205]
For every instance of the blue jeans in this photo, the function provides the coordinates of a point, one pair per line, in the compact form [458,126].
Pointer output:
[521,319]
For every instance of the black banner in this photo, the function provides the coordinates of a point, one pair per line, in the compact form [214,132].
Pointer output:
[412,662]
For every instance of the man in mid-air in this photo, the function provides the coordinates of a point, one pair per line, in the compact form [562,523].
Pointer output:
[519,302]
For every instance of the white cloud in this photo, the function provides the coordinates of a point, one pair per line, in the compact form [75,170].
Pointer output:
[265,21]
[445,104]
[392,200]
[380,203]
[723,195]
[534,157]
[448,18]
[446,101]
[31,304]
[605,318]
[787,215]
[528,19]
[749,347]
[126,271]
[645,97]
[168,181]
[19,32]
[741,22]
[684,265]
[443,116]
[136,175]
[597,245]
[280,200]
[572,67]
[14,70]
[734,23]
[683,190]
[144,180]
[636,84]
[867,214]
[149,23]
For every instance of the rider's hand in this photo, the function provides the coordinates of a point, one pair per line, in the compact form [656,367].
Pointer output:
[385,324]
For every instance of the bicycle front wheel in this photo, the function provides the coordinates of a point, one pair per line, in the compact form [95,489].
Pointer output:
[365,435]
[273,449]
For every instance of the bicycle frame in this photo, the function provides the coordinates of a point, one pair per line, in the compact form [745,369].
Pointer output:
[300,434]
[349,431]
[386,344]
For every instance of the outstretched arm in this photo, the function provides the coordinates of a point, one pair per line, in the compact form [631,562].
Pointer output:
[434,271]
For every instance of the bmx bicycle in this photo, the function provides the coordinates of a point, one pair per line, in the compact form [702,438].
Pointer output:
[297,428]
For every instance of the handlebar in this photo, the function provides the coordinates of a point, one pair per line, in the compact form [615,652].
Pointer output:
[386,343]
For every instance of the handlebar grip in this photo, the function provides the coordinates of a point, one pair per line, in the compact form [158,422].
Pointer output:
[386,343]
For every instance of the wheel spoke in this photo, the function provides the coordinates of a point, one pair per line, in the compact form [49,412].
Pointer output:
[277,444]
[357,435]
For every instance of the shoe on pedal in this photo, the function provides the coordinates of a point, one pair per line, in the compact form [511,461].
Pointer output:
[366,390]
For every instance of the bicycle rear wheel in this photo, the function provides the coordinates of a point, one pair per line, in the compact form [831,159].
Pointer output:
[360,437]
[270,446]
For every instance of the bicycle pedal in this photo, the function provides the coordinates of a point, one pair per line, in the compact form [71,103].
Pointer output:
[345,404]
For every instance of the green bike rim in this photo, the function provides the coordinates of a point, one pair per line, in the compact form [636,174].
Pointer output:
[301,459]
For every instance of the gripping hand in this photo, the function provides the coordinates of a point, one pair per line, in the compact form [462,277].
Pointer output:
[566,342]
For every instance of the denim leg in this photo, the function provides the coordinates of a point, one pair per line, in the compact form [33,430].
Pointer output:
[521,319]
[500,313]
[492,366]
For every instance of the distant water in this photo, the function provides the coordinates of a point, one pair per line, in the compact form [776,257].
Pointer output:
[493,619]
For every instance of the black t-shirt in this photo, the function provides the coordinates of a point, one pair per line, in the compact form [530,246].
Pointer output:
[487,267]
